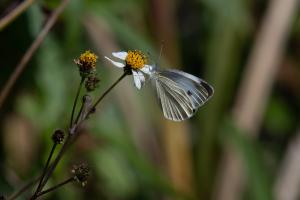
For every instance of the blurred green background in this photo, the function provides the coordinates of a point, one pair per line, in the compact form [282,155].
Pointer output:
[133,152]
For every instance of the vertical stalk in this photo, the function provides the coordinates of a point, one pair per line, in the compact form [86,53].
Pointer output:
[72,137]
[75,101]
[45,169]
[55,162]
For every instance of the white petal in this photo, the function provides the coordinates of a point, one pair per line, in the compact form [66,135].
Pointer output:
[138,78]
[118,64]
[121,55]
[142,77]
[147,69]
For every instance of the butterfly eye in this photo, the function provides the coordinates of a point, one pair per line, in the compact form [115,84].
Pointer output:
[189,93]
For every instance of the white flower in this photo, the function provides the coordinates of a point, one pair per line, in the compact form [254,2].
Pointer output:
[134,61]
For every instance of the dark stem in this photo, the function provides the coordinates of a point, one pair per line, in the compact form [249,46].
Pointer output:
[55,162]
[45,169]
[24,188]
[56,186]
[93,107]
[49,171]
[79,114]
[107,91]
[76,100]
[30,52]
[73,131]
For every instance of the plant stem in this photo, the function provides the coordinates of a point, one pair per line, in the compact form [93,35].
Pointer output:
[107,91]
[15,13]
[84,110]
[24,188]
[45,168]
[71,137]
[29,53]
[56,186]
[76,100]
[55,162]
[91,110]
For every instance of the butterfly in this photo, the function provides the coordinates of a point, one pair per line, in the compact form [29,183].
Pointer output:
[179,94]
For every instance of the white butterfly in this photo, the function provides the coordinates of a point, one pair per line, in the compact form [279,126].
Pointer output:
[180,94]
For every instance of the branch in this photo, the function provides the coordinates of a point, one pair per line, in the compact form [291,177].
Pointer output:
[32,49]
[15,13]
[288,182]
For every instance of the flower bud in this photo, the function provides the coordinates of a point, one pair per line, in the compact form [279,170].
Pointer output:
[81,173]
[58,136]
[91,83]
[87,63]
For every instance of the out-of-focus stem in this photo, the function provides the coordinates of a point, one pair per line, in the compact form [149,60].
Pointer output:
[15,13]
[175,136]
[255,89]
[24,188]
[29,53]
[288,180]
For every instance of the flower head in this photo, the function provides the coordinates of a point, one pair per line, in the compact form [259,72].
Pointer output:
[135,63]
[135,59]
[87,63]
[81,173]
[58,136]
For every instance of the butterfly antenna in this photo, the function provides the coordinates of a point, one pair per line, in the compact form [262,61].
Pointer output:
[160,52]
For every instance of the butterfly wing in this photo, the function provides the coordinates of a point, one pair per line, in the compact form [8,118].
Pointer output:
[180,94]
[197,89]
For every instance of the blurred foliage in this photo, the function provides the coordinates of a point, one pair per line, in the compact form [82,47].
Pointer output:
[215,38]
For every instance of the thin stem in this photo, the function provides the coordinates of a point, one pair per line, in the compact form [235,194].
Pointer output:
[55,162]
[15,13]
[24,188]
[70,138]
[85,106]
[76,100]
[80,112]
[56,186]
[29,53]
[107,91]
[45,168]
[101,97]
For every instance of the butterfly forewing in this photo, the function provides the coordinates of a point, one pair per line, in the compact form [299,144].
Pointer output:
[198,90]
[180,94]
[175,103]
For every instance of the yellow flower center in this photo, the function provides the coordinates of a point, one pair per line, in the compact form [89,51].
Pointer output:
[88,59]
[135,59]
